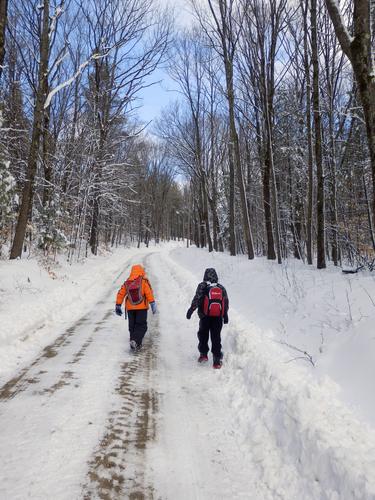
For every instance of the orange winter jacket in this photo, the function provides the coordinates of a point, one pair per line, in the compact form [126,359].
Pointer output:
[147,292]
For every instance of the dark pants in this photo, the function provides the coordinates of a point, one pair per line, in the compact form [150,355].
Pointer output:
[137,324]
[209,326]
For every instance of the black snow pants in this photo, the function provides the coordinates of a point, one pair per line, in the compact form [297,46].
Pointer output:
[137,324]
[209,326]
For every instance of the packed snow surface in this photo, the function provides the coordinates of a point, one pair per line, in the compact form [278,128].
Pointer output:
[289,416]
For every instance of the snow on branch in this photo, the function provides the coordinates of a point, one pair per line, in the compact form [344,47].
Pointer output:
[341,30]
[72,78]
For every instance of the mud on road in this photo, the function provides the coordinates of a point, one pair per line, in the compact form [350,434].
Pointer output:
[117,467]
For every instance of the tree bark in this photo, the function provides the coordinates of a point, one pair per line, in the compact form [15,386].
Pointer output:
[234,147]
[232,225]
[38,119]
[275,202]
[310,188]
[333,200]
[359,51]
[205,212]
[3,23]
[320,242]
[48,150]
[271,255]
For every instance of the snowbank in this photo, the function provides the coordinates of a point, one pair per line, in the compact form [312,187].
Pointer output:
[323,317]
[304,438]
[297,426]
[299,438]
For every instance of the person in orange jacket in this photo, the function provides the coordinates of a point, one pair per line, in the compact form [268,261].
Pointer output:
[137,294]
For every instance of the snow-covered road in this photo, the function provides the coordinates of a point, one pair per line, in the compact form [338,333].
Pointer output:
[87,419]
[195,454]
[75,421]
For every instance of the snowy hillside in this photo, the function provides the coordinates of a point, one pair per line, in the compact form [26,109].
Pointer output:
[274,423]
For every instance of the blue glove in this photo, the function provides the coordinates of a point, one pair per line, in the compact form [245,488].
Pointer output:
[153,307]
[118,310]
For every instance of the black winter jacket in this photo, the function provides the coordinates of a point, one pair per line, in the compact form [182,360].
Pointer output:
[210,277]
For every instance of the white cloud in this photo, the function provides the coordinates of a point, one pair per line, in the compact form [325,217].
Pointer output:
[183,10]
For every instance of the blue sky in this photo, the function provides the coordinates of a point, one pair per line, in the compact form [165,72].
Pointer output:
[156,97]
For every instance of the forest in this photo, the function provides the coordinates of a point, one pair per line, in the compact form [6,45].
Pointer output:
[267,150]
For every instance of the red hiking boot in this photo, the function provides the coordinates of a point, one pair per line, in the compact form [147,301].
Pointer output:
[203,358]
[217,363]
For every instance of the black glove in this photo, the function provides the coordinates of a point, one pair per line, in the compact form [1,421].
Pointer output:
[118,310]
[189,313]
[226,320]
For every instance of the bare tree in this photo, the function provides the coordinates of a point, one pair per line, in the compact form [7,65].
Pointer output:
[359,50]
[133,41]
[38,121]
[260,46]
[321,259]
[188,69]
[224,33]
[310,194]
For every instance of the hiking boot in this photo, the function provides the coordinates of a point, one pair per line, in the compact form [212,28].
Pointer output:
[203,358]
[133,345]
[217,363]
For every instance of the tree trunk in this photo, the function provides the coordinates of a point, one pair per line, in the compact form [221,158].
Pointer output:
[94,236]
[232,225]
[212,199]
[369,217]
[202,225]
[48,151]
[359,50]
[310,189]
[333,201]
[40,97]
[320,242]
[275,202]
[206,218]
[271,255]
[3,23]
[228,47]
[234,148]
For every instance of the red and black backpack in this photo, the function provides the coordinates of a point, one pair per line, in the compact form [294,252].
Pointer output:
[134,290]
[213,302]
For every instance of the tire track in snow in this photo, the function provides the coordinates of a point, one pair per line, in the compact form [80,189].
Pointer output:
[117,468]
[22,381]
[27,376]
[119,462]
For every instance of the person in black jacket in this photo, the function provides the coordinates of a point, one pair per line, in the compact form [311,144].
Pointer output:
[209,325]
